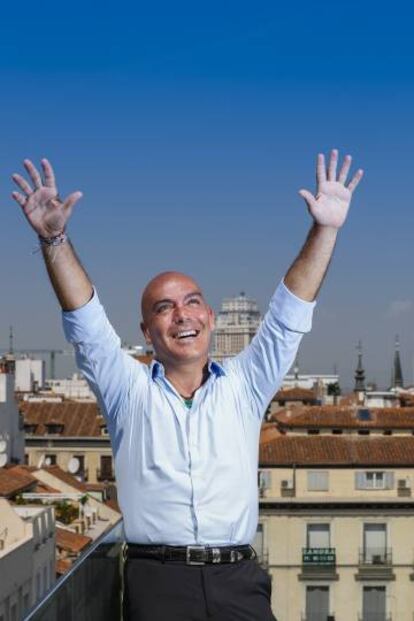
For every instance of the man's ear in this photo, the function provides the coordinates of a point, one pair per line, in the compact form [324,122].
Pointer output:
[145,333]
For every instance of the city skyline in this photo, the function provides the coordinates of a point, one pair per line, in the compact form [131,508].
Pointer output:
[190,133]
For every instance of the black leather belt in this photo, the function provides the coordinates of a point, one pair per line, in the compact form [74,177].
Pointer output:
[191,555]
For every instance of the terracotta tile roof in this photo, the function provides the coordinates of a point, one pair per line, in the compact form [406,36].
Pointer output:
[338,451]
[295,394]
[63,565]
[268,432]
[339,416]
[66,477]
[78,418]
[72,542]
[14,480]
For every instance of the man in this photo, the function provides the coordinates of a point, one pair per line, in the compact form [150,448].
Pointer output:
[185,432]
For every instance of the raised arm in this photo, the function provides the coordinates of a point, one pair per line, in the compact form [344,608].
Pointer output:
[328,208]
[263,364]
[48,215]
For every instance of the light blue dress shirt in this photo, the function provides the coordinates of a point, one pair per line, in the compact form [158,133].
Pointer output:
[188,476]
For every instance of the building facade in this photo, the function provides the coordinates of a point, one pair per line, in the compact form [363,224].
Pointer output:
[336,529]
[236,324]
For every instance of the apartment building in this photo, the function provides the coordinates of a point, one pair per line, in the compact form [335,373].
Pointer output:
[336,529]
[70,434]
[27,556]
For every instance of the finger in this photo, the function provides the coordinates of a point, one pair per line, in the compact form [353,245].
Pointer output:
[19,198]
[34,173]
[355,180]
[320,169]
[48,173]
[333,162]
[308,196]
[343,173]
[72,199]
[22,183]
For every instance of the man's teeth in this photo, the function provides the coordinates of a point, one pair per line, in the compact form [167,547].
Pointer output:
[182,335]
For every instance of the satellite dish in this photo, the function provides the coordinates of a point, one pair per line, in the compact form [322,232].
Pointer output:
[3,459]
[3,445]
[48,461]
[74,465]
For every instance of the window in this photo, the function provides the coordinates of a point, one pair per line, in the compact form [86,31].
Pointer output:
[318,536]
[318,481]
[375,543]
[264,479]
[374,480]
[313,432]
[50,459]
[373,603]
[106,466]
[317,603]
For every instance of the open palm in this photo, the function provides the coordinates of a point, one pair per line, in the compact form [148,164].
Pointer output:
[330,205]
[41,205]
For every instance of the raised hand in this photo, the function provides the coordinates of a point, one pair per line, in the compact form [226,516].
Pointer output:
[333,197]
[40,202]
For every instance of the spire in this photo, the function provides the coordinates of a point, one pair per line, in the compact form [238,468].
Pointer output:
[11,340]
[397,376]
[359,372]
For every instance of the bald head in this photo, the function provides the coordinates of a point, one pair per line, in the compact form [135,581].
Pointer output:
[161,287]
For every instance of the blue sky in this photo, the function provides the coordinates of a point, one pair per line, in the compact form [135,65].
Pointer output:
[190,128]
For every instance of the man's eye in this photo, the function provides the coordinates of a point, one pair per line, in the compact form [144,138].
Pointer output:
[162,309]
[194,301]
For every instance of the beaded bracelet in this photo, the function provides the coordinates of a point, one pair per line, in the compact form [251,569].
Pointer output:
[56,240]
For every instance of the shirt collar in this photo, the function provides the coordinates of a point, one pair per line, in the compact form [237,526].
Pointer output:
[157,369]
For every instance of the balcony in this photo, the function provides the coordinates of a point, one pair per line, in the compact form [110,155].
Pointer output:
[374,616]
[105,475]
[318,564]
[91,589]
[375,564]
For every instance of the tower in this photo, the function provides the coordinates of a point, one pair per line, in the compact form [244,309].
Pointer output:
[359,387]
[397,376]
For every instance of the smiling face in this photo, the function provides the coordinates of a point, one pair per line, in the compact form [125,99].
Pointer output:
[177,321]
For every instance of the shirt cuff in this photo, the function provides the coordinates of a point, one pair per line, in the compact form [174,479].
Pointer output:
[77,324]
[293,312]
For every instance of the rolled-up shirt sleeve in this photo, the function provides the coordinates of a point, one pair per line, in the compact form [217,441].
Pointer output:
[99,356]
[264,363]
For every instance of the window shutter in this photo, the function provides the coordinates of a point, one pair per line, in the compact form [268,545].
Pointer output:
[389,480]
[360,482]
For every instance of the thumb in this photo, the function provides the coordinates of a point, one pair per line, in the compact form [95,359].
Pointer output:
[71,200]
[309,198]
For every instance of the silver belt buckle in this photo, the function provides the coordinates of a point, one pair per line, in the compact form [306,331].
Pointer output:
[196,549]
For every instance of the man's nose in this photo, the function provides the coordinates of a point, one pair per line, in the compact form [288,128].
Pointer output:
[180,314]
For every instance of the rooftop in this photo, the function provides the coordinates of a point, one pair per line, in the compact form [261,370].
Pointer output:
[338,451]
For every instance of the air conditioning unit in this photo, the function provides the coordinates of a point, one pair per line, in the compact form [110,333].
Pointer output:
[404,484]
[287,484]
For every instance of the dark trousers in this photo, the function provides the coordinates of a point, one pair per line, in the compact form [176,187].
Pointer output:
[172,591]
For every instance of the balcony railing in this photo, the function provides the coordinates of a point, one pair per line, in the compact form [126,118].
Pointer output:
[91,589]
[105,475]
[318,556]
[375,556]
[374,616]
